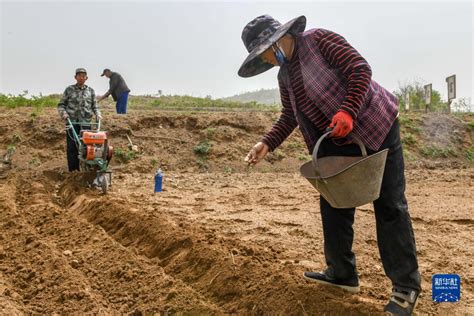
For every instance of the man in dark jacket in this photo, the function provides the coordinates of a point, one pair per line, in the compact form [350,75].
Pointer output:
[118,89]
[324,82]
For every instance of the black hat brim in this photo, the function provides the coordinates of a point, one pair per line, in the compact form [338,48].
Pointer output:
[253,64]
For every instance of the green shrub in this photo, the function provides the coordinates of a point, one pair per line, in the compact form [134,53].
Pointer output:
[437,152]
[409,123]
[210,131]
[279,155]
[403,120]
[266,169]
[408,155]
[304,157]
[470,154]
[275,156]
[203,148]
[295,145]
[35,161]
[37,102]
[16,138]
[408,139]
[10,150]
[124,155]
[202,163]
[188,102]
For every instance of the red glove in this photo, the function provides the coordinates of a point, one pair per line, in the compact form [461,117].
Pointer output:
[342,123]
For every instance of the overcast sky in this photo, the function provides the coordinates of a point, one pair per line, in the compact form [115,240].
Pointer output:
[195,48]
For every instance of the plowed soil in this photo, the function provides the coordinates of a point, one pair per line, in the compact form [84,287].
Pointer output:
[221,238]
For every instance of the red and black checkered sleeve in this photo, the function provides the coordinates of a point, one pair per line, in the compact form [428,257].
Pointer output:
[340,54]
[285,124]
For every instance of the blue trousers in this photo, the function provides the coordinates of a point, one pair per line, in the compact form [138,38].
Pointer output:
[121,105]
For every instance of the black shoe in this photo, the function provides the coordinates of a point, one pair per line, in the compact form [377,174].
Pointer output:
[402,302]
[351,285]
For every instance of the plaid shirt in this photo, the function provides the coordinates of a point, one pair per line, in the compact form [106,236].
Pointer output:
[334,77]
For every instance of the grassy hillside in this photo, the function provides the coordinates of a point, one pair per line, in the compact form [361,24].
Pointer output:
[428,139]
[265,96]
[164,102]
[438,137]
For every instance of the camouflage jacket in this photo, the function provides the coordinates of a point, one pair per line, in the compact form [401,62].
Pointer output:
[78,103]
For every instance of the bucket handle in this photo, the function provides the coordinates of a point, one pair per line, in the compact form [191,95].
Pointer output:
[320,140]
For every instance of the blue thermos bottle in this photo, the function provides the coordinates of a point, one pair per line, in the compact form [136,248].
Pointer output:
[159,181]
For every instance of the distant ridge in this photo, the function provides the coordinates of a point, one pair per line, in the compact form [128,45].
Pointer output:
[264,96]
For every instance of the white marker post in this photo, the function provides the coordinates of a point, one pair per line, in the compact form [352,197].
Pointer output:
[451,81]
[428,89]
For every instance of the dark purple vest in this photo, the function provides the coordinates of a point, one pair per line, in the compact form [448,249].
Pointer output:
[327,87]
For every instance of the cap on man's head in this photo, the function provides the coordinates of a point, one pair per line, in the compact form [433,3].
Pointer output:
[103,72]
[81,70]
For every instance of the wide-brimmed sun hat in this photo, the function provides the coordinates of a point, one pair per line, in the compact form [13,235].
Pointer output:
[260,34]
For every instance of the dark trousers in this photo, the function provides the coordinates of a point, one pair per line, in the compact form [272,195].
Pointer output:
[395,236]
[72,147]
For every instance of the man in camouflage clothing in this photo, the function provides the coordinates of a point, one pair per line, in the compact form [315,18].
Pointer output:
[78,104]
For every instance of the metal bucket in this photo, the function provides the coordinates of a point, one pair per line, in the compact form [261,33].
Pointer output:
[345,181]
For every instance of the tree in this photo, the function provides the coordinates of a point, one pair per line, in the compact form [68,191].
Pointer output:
[415,92]
[462,105]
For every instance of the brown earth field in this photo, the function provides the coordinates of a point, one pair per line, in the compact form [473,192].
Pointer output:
[222,238]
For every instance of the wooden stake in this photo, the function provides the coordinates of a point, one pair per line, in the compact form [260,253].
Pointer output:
[304,311]
[212,280]
[233,261]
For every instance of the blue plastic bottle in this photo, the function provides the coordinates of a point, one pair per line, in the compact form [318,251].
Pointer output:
[159,181]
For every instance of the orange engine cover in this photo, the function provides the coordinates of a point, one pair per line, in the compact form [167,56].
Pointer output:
[90,153]
[97,138]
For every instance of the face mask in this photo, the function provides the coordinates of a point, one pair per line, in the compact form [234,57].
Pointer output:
[280,55]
